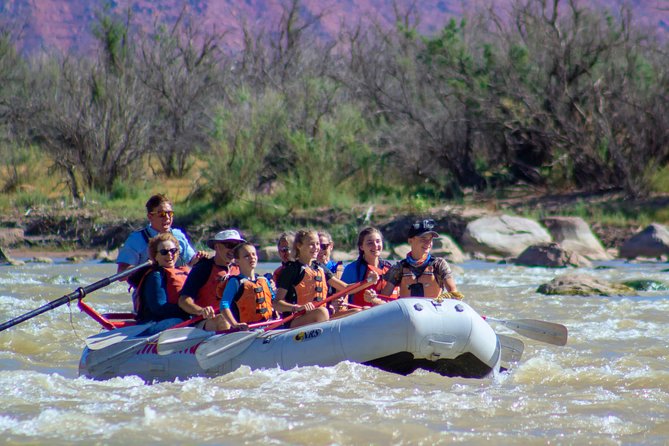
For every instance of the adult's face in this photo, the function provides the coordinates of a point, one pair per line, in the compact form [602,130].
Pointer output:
[325,247]
[224,255]
[161,217]
[167,254]
[284,250]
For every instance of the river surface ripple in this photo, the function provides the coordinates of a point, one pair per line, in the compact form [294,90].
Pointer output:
[608,386]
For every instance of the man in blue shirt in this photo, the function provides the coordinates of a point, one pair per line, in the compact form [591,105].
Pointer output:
[161,216]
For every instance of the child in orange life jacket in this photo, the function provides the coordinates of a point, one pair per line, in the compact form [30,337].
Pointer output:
[370,246]
[420,274]
[158,291]
[247,297]
[304,282]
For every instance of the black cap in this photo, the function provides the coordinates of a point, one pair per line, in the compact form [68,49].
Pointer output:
[422,227]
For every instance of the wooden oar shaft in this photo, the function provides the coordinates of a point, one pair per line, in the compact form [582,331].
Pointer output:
[79,293]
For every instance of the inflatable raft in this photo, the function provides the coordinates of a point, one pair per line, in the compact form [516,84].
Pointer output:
[447,337]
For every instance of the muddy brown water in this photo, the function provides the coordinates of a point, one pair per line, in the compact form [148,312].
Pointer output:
[608,386]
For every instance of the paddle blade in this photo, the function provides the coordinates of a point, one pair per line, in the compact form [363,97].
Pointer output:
[217,351]
[98,360]
[543,331]
[512,348]
[179,339]
[111,337]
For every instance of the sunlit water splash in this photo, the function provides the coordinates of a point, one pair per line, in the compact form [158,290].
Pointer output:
[609,385]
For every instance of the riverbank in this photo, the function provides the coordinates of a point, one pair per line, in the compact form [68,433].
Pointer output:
[85,233]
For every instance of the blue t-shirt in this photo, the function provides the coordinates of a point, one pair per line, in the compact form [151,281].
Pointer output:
[135,249]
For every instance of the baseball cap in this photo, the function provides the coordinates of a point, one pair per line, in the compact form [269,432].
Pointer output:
[231,235]
[422,227]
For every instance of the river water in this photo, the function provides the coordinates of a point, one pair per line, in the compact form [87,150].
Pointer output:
[609,385]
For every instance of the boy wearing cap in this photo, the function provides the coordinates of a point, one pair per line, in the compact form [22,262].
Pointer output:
[420,274]
[198,296]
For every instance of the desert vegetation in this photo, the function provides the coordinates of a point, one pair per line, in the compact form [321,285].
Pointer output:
[550,95]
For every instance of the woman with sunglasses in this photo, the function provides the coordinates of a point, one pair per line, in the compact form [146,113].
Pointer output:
[324,255]
[157,294]
[161,216]
[283,245]
[303,283]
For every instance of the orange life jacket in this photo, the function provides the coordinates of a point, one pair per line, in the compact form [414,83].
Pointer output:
[209,295]
[277,272]
[312,287]
[174,281]
[254,303]
[417,278]
[221,282]
[359,299]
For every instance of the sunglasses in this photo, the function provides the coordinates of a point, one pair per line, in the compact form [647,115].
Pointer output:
[229,245]
[284,249]
[164,252]
[325,246]
[163,214]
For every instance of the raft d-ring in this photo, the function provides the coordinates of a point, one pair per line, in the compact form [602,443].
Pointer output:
[418,307]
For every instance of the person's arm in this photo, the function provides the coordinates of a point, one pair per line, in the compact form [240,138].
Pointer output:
[188,304]
[392,279]
[196,279]
[280,303]
[445,279]
[227,300]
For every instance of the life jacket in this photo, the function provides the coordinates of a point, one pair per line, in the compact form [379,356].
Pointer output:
[277,273]
[221,282]
[253,300]
[174,280]
[209,294]
[312,287]
[419,281]
[359,299]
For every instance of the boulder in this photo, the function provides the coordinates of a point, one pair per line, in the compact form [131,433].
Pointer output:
[41,260]
[402,250]
[344,256]
[268,254]
[573,234]
[584,285]
[444,246]
[652,242]
[11,236]
[106,256]
[550,255]
[503,235]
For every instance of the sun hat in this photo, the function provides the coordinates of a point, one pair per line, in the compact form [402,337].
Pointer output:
[228,235]
[422,227]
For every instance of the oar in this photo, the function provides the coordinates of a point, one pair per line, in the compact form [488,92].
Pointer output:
[110,337]
[217,351]
[99,359]
[512,348]
[80,293]
[543,331]
[179,339]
